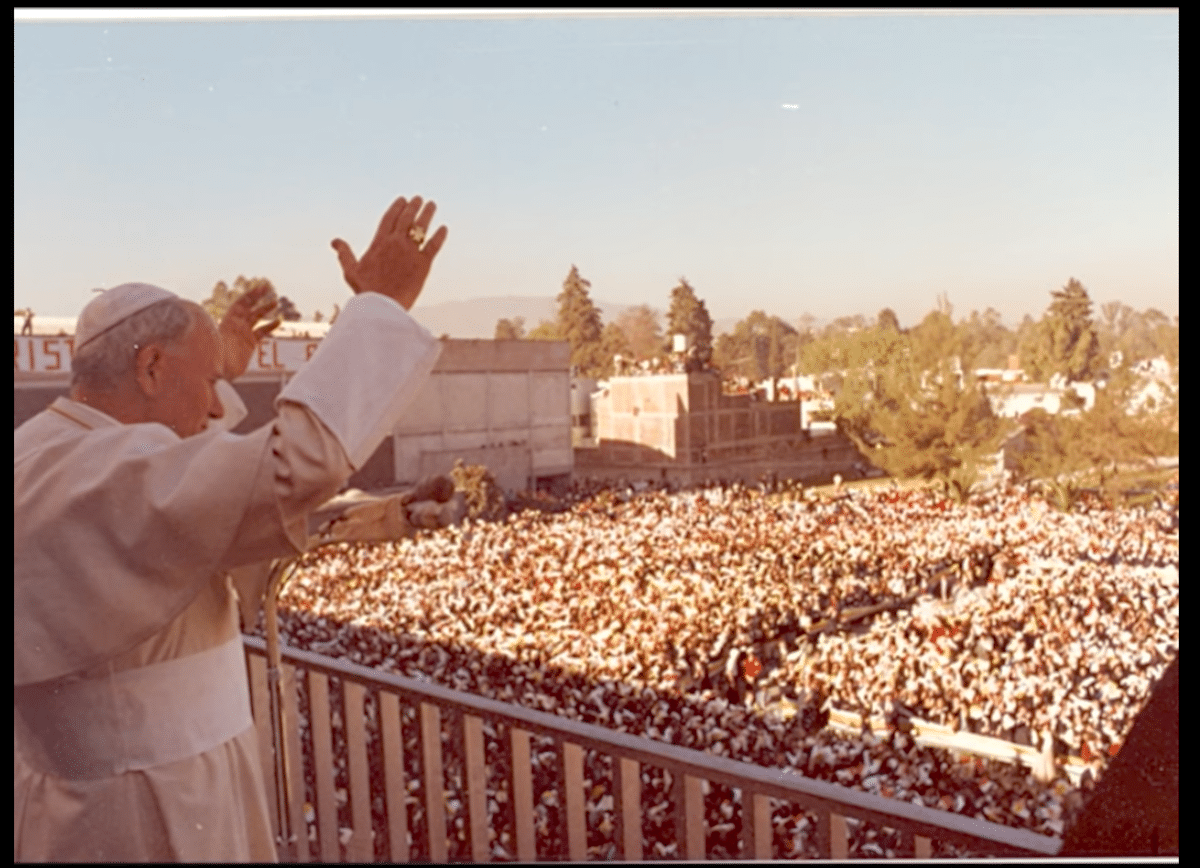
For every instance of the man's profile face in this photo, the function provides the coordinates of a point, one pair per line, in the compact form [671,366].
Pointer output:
[191,366]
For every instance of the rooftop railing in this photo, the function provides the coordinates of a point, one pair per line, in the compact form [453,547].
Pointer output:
[378,713]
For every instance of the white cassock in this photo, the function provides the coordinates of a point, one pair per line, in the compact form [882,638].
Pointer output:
[133,739]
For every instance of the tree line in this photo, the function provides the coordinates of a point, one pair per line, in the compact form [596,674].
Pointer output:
[911,398]
[635,335]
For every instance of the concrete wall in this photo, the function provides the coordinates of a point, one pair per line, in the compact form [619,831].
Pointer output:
[504,404]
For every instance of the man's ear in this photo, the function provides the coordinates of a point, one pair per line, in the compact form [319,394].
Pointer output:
[148,369]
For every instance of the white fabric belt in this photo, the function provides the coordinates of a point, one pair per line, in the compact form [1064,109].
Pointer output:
[134,719]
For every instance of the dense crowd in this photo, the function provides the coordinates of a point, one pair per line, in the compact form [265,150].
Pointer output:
[695,617]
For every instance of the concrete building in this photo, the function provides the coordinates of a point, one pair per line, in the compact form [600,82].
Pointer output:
[682,428]
[504,404]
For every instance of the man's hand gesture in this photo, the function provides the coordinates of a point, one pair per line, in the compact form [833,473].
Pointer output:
[398,260]
[239,337]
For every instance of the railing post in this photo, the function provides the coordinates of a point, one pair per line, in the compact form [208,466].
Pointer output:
[476,774]
[831,834]
[522,795]
[756,825]
[627,809]
[360,847]
[572,759]
[295,766]
[263,718]
[693,811]
[922,847]
[322,740]
[435,800]
[396,793]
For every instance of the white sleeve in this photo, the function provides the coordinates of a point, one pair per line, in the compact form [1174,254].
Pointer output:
[364,373]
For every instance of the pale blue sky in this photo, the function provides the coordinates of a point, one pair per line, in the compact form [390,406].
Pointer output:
[831,164]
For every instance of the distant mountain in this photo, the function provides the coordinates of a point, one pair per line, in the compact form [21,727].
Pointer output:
[477,317]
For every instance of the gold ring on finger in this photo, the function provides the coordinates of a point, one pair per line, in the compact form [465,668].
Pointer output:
[417,234]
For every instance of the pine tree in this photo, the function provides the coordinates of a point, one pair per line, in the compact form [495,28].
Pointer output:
[579,323]
[1065,342]
[689,316]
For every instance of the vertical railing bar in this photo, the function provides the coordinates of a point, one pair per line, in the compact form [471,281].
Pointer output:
[756,820]
[291,709]
[627,808]
[435,780]
[507,816]
[361,845]
[476,779]
[522,795]
[395,791]
[560,789]
[838,843]
[322,739]
[572,762]
[922,847]
[693,810]
[261,709]
[677,817]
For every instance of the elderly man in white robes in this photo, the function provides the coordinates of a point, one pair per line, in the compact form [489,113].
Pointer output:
[133,738]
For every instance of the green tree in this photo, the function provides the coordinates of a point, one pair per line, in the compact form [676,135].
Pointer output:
[546,330]
[689,316]
[983,340]
[760,347]
[932,423]
[223,296]
[288,311]
[643,334]
[614,342]
[579,323]
[510,329]
[1102,447]
[935,338]
[887,320]
[1065,342]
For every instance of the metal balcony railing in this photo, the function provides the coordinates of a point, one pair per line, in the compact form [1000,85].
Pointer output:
[444,716]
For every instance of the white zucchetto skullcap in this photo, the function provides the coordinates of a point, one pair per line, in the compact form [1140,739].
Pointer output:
[114,306]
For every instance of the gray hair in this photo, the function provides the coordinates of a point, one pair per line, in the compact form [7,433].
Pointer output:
[108,358]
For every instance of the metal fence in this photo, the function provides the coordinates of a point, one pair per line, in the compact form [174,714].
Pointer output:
[420,784]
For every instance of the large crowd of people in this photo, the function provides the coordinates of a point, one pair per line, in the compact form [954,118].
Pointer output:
[704,617]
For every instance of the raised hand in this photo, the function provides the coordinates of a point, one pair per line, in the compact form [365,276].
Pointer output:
[239,337]
[400,256]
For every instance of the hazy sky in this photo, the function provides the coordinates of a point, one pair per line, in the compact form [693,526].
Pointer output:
[822,163]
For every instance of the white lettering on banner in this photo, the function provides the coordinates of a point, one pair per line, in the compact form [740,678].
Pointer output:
[48,355]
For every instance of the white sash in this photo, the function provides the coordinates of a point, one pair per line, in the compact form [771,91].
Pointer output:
[135,719]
